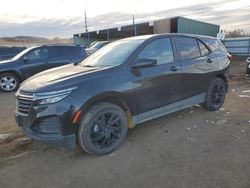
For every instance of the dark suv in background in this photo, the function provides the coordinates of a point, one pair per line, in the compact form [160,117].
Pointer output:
[9,52]
[34,60]
[125,83]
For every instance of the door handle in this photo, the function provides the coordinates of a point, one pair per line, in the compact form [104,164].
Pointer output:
[210,60]
[174,69]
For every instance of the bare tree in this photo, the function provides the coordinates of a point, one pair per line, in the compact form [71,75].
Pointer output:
[237,33]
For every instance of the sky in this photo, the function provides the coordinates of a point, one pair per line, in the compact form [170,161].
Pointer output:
[63,18]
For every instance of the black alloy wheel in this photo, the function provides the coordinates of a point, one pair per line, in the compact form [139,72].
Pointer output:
[215,95]
[102,129]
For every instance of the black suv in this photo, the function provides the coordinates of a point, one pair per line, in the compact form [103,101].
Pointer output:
[125,83]
[34,60]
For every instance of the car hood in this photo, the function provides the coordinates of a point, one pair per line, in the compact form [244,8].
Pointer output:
[60,78]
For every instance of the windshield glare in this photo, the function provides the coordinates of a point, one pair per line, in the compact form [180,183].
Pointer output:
[112,54]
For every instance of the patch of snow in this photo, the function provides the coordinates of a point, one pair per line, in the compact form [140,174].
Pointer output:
[244,96]
[246,91]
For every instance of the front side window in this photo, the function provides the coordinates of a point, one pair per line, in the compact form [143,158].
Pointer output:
[187,47]
[40,53]
[160,50]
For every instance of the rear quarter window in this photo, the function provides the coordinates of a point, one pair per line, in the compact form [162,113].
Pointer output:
[216,45]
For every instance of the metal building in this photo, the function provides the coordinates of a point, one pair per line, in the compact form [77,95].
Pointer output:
[167,25]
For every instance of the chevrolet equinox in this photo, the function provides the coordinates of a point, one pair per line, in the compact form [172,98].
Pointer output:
[125,83]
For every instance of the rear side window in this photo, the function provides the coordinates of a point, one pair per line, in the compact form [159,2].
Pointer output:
[67,51]
[55,52]
[187,47]
[159,49]
[62,51]
[203,48]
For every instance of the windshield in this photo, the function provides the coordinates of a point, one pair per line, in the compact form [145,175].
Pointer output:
[22,53]
[112,54]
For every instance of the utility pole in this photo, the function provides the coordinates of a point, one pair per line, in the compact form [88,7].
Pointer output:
[135,31]
[86,24]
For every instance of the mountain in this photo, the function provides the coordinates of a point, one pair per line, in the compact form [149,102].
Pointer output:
[28,41]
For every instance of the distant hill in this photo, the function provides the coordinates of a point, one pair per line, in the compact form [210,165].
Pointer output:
[28,41]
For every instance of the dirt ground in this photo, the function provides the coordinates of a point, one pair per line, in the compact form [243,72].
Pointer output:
[191,148]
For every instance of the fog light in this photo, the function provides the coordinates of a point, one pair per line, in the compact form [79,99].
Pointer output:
[49,125]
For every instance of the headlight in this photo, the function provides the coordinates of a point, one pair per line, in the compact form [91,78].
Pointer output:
[54,96]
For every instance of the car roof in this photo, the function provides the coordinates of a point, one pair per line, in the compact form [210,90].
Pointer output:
[145,37]
[60,45]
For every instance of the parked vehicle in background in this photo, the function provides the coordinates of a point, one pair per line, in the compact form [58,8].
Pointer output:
[34,60]
[92,43]
[9,52]
[127,82]
[96,46]
[248,66]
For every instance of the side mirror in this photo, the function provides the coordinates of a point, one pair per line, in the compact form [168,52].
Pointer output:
[144,63]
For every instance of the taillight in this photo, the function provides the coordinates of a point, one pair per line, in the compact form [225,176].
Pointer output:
[248,60]
[230,57]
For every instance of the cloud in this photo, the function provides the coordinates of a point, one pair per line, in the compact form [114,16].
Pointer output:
[208,12]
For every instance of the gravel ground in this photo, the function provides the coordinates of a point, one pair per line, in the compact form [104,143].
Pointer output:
[191,148]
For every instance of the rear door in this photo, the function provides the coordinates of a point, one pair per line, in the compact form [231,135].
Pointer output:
[198,65]
[34,61]
[158,85]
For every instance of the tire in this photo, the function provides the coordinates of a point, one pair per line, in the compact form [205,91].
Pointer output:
[9,82]
[215,95]
[102,129]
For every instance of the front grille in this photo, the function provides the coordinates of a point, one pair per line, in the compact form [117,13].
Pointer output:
[24,102]
[23,106]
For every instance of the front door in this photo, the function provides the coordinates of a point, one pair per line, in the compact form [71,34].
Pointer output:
[34,62]
[157,85]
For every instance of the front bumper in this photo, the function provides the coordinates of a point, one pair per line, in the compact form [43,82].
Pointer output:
[51,124]
[61,141]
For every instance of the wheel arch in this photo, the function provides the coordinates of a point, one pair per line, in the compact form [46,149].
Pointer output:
[112,97]
[224,78]
[16,73]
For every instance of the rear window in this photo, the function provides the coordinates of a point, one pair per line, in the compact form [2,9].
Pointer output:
[187,47]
